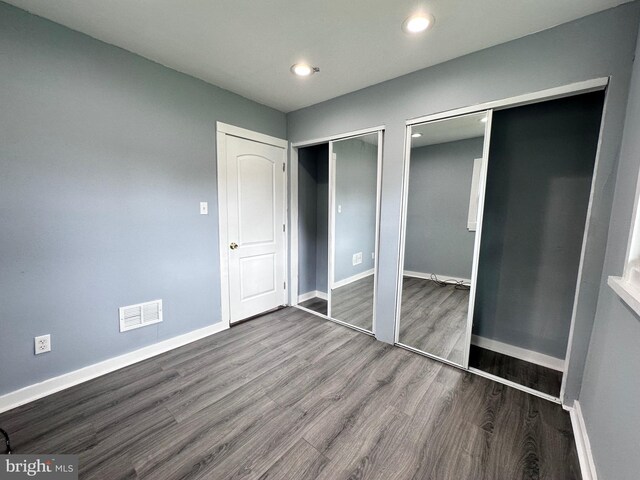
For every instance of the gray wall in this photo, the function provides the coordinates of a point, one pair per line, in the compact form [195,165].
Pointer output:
[313,204]
[537,192]
[307,219]
[104,158]
[355,190]
[437,239]
[611,389]
[599,45]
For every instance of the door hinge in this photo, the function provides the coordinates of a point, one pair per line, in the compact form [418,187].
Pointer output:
[284,226]
[285,285]
[284,165]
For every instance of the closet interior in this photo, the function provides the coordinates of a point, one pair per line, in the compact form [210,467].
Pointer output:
[313,227]
[338,209]
[495,211]
[540,171]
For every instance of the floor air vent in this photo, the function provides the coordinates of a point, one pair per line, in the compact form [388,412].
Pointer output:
[140,315]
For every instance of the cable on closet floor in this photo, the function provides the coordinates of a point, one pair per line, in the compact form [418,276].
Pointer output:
[458,284]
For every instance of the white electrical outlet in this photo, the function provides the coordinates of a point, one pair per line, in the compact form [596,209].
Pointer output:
[43,344]
[357,259]
[204,208]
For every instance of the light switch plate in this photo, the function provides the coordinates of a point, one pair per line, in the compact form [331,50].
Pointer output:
[204,208]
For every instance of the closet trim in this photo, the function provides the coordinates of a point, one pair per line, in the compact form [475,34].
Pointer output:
[515,385]
[339,136]
[548,94]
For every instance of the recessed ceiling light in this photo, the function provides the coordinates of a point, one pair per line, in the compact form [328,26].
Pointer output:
[416,135]
[483,119]
[418,23]
[303,69]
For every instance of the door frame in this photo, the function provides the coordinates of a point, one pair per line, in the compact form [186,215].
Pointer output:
[293,207]
[222,131]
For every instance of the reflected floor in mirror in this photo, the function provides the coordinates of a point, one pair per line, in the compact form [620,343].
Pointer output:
[524,373]
[353,303]
[434,318]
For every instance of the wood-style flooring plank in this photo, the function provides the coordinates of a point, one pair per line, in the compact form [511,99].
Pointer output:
[300,462]
[290,395]
[530,375]
[316,304]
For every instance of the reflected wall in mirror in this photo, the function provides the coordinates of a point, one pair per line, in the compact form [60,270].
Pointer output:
[354,229]
[444,172]
[313,220]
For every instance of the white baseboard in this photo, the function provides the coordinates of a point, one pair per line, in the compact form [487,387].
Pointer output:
[583,446]
[427,276]
[353,278]
[312,294]
[519,352]
[34,392]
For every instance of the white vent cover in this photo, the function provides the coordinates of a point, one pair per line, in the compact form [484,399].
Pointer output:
[140,315]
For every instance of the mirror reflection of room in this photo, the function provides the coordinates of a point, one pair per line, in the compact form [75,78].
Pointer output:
[313,215]
[442,204]
[355,182]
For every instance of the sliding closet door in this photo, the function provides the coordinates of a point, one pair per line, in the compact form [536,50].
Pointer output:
[444,184]
[354,171]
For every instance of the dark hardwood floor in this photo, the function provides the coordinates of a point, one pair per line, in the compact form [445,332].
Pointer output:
[433,319]
[292,396]
[316,304]
[524,373]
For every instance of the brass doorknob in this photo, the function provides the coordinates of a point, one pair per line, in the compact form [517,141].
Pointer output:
[233,245]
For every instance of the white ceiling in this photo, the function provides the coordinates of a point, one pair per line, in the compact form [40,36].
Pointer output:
[449,130]
[247,46]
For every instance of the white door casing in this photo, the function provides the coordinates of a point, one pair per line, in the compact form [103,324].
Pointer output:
[252,187]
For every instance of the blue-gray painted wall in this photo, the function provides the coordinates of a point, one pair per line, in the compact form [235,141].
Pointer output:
[600,45]
[611,388]
[355,192]
[437,239]
[537,192]
[104,158]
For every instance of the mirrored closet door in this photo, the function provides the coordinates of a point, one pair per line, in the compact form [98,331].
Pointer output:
[444,177]
[338,209]
[354,202]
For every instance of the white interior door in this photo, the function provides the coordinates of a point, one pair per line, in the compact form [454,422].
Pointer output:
[255,226]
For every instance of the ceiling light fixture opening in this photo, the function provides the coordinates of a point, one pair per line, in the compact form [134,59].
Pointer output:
[303,69]
[418,23]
